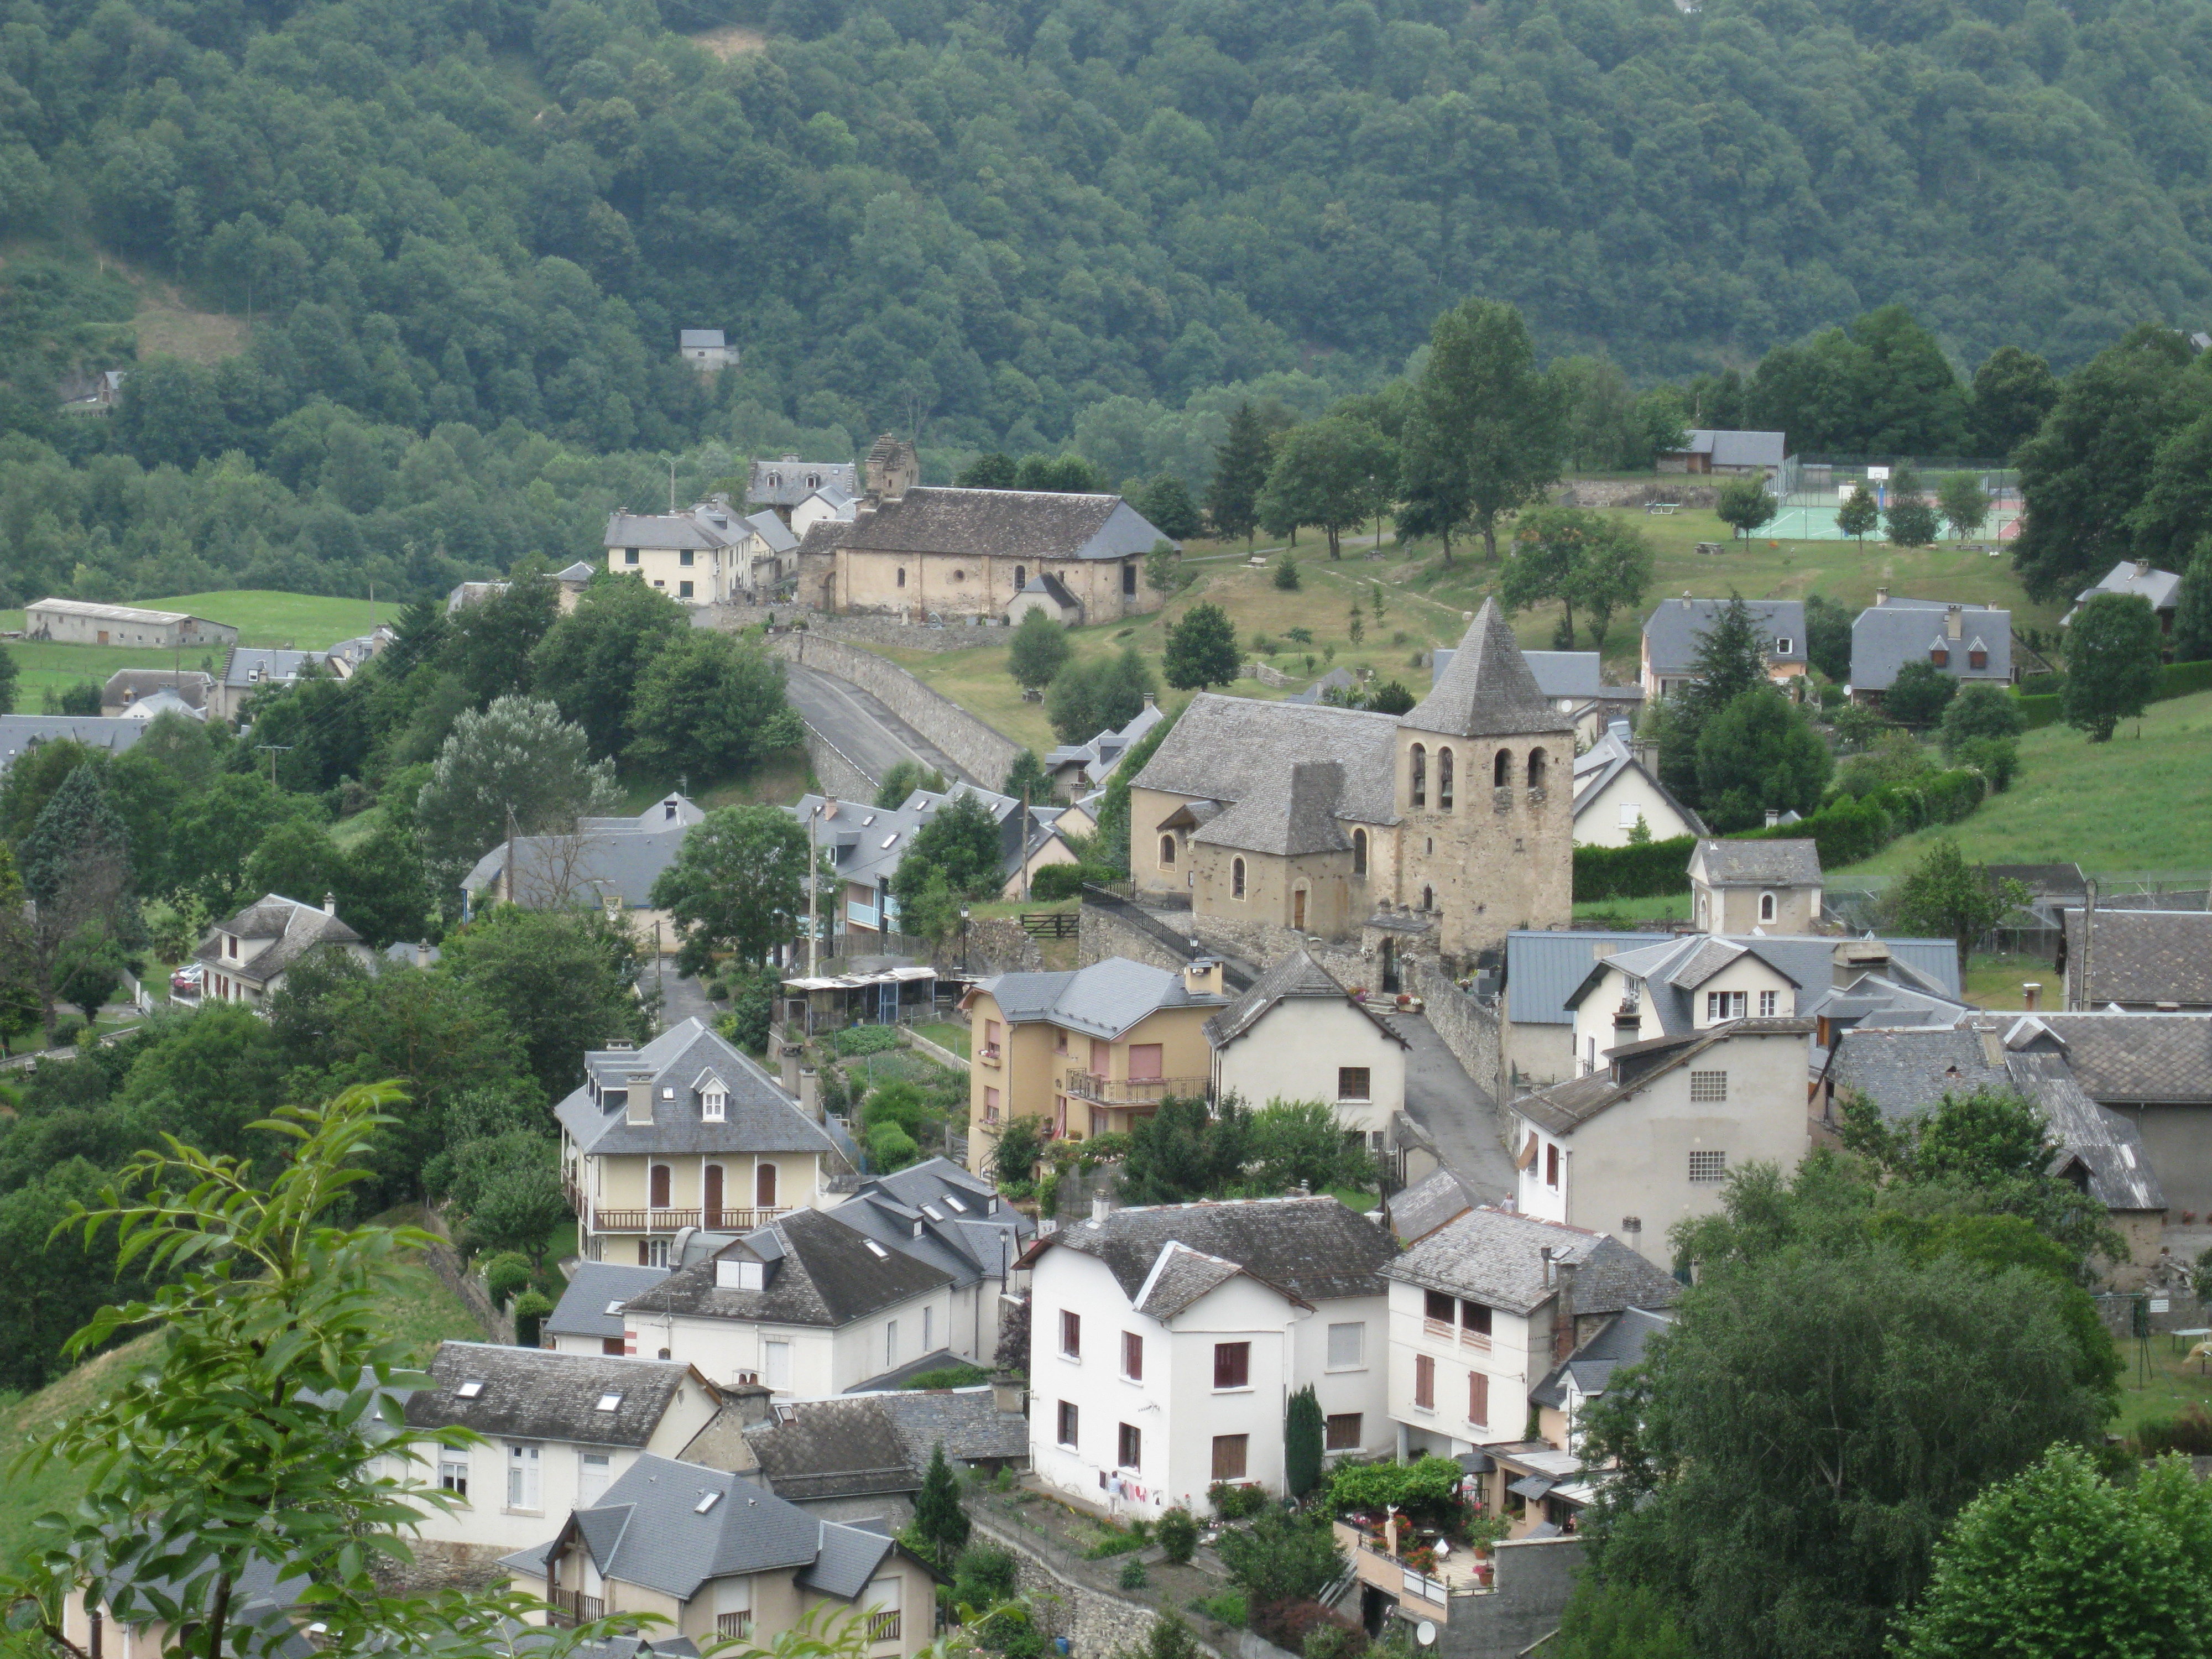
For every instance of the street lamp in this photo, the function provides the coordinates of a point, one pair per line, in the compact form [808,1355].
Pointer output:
[963,938]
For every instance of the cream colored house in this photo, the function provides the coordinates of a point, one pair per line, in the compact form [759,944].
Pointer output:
[1650,1139]
[1298,1035]
[1745,886]
[721,1559]
[1617,788]
[247,955]
[707,555]
[1087,1052]
[557,1429]
[686,1131]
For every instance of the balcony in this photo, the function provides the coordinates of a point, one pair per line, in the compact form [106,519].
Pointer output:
[1133,1091]
[668,1221]
[1442,1330]
[884,1627]
[574,1608]
[737,1626]
[1424,1591]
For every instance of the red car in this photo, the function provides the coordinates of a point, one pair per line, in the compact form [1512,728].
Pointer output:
[188,980]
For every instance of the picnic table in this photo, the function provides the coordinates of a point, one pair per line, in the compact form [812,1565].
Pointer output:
[1661,506]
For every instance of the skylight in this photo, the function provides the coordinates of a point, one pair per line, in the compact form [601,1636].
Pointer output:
[608,1402]
[955,1204]
[933,1213]
[868,820]
[614,1308]
[875,1248]
[470,1390]
[707,1501]
[890,841]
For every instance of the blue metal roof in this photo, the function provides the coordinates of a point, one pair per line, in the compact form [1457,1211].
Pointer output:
[1544,968]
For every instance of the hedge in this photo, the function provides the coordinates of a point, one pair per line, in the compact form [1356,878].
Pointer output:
[2175,679]
[1651,871]
[1054,881]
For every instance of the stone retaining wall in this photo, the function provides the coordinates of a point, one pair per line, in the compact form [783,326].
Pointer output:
[984,754]
[1629,492]
[1470,1030]
[795,617]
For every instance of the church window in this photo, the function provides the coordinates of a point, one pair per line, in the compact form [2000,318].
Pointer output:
[1428,898]
[901,575]
[1418,784]
[1020,577]
[1236,878]
[1501,769]
[1444,780]
[1536,768]
[1359,851]
[1167,851]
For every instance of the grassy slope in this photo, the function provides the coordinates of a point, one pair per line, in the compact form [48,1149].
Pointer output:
[423,1314]
[303,621]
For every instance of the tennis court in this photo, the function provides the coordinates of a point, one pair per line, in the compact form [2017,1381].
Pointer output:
[1808,511]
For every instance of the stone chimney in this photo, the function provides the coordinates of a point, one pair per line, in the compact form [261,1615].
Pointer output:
[1955,620]
[2143,568]
[1685,598]
[810,1092]
[1008,1396]
[748,1399]
[329,903]
[1151,699]
[1881,596]
[1102,1205]
[1563,1314]
[637,1097]
[2031,995]
[1203,977]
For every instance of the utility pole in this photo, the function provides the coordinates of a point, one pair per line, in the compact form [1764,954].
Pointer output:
[672,483]
[506,864]
[813,881]
[1025,844]
[273,749]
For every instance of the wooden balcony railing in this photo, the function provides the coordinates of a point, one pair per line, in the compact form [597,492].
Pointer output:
[738,1625]
[1132,1092]
[572,1607]
[1444,1331]
[668,1221]
[884,1627]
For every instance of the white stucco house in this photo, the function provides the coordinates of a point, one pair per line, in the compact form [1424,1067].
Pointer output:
[1297,1035]
[247,955]
[1617,788]
[1166,1342]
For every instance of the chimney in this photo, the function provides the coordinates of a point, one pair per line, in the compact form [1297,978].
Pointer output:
[1546,1254]
[1008,1396]
[1102,1205]
[810,1092]
[637,1098]
[2031,995]
[329,903]
[748,1399]
[1881,596]
[1202,977]
[1773,817]
[2143,568]
[1563,1315]
[1151,699]
[1685,598]
[1955,620]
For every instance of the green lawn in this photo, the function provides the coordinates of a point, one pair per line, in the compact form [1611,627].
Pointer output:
[300,621]
[945,1035]
[2142,802]
[1626,915]
[2175,1382]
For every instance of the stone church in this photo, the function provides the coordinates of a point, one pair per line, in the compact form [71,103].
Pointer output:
[1442,829]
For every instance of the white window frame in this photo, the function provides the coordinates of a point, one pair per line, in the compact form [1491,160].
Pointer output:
[525,1476]
[594,1474]
[453,1472]
[1720,1006]
[1770,1005]
[1354,1337]
[776,1365]
[713,1107]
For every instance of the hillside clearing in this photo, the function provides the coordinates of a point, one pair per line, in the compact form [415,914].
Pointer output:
[300,621]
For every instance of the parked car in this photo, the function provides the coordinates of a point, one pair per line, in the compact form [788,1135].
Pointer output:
[188,980]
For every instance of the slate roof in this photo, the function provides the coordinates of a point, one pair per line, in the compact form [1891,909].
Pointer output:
[1421,1208]
[832,1449]
[1671,632]
[760,1116]
[619,856]
[1577,674]
[1596,767]
[783,482]
[1024,523]
[1495,1257]
[903,1376]
[1312,1248]
[2159,586]
[1103,754]
[939,1213]
[816,1271]
[1181,1276]
[1757,863]
[128,685]
[1296,977]
[21,733]
[291,928]
[1670,968]
[772,530]
[1337,679]
[2145,956]
[1904,1072]
[1225,748]
[1544,967]
[533,1394]
[2122,1060]
[255,664]
[1563,1108]
[704,525]
[593,1287]
[967,1422]
[694,338]
[1487,689]
[1885,637]
[2100,1149]
[1737,448]
[1620,1341]
[1102,1001]
[1293,811]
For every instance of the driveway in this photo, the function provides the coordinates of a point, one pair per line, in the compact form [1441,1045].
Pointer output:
[681,999]
[870,736]
[1459,1115]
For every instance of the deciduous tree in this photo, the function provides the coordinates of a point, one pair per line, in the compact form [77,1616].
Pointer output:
[708,705]
[2112,650]
[1039,649]
[1859,514]
[516,765]
[1327,473]
[1200,648]
[1485,434]
[739,885]
[1946,896]
[1744,504]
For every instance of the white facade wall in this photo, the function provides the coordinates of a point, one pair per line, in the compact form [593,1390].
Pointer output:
[1606,818]
[815,1362]
[1175,1408]
[1299,1049]
[1518,1356]
[1595,1033]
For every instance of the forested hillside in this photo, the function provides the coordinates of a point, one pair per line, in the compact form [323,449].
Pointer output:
[466,230]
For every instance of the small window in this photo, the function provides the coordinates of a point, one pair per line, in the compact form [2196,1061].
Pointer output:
[715,1106]
[453,1472]
[990,1105]
[1236,878]
[1782,646]
[1425,1382]
[1444,780]
[1341,1433]
[1067,1421]
[1071,1334]
[1708,1168]
[1551,1166]
[1709,1085]
[1167,851]
[1418,775]
[1501,769]
[1128,582]
[1539,768]
[684,557]
[1437,1307]
[684,590]
[1359,851]
[890,1343]
[876,1251]
[1129,1447]
[1133,1356]
[1352,1083]
[630,556]
[1474,1316]
[1230,1456]
[1978,658]
[1724,1005]
[1770,1004]
[1767,907]
[523,1466]
[652,1253]
[1232,1365]
[1347,1347]
[614,1308]
[608,1402]
[1941,656]
[901,576]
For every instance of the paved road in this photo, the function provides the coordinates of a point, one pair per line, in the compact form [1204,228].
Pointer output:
[681,999]
[1459,1116]
[872,737]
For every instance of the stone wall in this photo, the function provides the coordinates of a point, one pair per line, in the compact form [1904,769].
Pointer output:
[1629,492]
[996,945]
[791,616]
[1470,1030]
[1104,931]
[841,777]
[1535,1576]
[982,753]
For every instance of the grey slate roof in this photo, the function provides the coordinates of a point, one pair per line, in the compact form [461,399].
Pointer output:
[1312,1249]
[2159,586]
[291,928]
[784,482]
[707,525]
[256,664]
[1102,1001]
[772,530]
[939,1213]
[904,1376]
[1225,748]
[2130,1059]
[1487,689]
[967,1422]
[1013,524]
[761,1117]
[1758,863]
[593,1287]
[2100,1149]
[847,1559]
[620,855]
[1293,811]
[1180,1276]
[2140,956]
[1337,679]
[1495,1257]
[1670,970]
[1100,756]
[21,733]
[533,1394]
[1596,767]
[1563,1108]
[1296,977]
[129,685]
[1885,637]
[1426,1206]
[1544,967]
[1620,1341]
[1577,674]
[1671,632]
[816,1272]
[1905,1072]
[1737,448]
[832,1449]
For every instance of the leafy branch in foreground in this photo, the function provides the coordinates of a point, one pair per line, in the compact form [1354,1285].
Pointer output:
[240,1470]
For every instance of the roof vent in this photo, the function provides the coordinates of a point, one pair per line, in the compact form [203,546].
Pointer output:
[614,1308]
[876,1250]
[608,1402]
[470,1390]
[707,1501]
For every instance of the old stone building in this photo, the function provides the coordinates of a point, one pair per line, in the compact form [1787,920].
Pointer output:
[1446,827]
[924,551]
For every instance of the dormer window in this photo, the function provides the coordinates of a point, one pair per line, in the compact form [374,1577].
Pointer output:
[668,810]
[230,944]
[1977,655]
[1782,646]
[714,1106]
[1940,654]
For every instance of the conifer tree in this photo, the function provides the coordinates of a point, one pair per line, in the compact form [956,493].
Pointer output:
[1240,472]
[938,1519]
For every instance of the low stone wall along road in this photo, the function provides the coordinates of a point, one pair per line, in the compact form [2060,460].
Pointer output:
[861,726]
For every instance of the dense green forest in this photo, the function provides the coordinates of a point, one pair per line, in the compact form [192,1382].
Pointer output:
[466,232]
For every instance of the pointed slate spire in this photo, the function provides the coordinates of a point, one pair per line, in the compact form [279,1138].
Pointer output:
[1487,689]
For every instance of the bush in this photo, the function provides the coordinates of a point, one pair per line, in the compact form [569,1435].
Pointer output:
[752,995]
[891,1147]
[949,1377]
[982,1576]
[504,1274]
[1428,1482]
[1227,1606]
[2189,1434]
[1132,1575]
[1178,1536]
[1233,1502]
[1115,1542]
[1651,871]
[529,1310]
[1056,882]
[1286,573]
[866,1040]
[1291,1625]
[67,1028]
[1337,1640]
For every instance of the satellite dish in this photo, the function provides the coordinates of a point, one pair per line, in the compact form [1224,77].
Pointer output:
[1425,1633]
